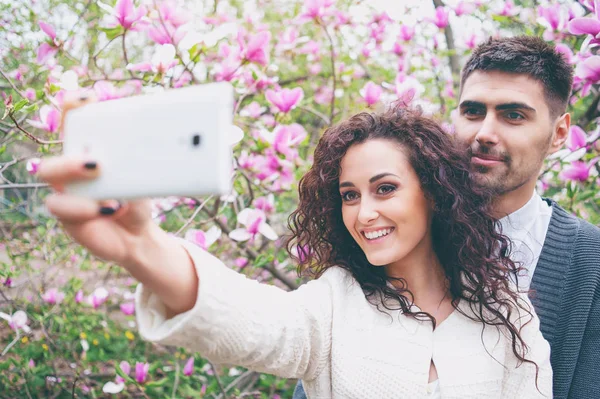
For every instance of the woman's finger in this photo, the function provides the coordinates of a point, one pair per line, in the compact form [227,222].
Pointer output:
[73,209]
[60,170]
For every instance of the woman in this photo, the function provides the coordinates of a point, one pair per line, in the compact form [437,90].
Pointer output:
[412,296]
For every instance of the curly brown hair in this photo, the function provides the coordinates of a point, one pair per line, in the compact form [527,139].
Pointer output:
[473,254]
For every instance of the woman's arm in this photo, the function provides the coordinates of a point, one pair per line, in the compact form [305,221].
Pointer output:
[236,320]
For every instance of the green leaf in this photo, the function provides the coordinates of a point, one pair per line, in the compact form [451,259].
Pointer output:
[30,108]
[20,105]
[111,33]
[156,384]
[122,374]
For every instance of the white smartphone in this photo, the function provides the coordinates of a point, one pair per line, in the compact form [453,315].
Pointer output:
[175,142]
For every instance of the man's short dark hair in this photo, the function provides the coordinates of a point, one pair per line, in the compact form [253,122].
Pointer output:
[526,55]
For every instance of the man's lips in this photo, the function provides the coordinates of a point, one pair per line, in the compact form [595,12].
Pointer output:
[485,159]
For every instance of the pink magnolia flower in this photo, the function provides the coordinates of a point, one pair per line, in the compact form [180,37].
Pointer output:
[33,165]
[128,308]
[265,204]
[107,91]
[254,48]
[162,60]
[127,15]
[202,239]
[553,17]
[508,9]
[589,69]
[252,110]
[166,33]
[48,30]
[17,321]
[171,12]
[126,369]
[588,25]
[464,8]
[406,32]
[188,369]
[578,171]
[471,41]
[53,296]
[441,18]
[141,372]
[45,52]
[408,88]
[314,9]
[79,296]
[49,119]
[241,262]
[98,297]
[577,138]
[285,99]
[566,52]
[254,222]
[286,137]
[371,92]
[30,94]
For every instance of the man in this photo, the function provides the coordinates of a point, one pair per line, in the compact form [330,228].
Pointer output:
[511,115]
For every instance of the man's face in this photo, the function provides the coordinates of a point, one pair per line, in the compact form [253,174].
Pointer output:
[504,121]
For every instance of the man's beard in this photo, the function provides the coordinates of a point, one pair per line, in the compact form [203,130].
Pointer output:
[498,183]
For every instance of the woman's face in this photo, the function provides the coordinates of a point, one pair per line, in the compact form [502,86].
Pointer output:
[383,206]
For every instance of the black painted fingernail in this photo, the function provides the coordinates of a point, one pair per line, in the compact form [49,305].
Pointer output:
[90,165]
[107,211]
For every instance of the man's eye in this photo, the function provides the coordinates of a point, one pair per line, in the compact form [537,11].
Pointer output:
[515,116]
[349,196]
[472,112]
[386,189]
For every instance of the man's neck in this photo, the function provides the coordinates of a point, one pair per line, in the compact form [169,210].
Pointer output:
[513,200]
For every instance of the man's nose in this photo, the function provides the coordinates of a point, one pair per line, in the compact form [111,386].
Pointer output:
[368,211]
[487,134]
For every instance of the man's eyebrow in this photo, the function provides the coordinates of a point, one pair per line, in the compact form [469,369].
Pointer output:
[499,107]
[473,104]
[511,106]
[371,180]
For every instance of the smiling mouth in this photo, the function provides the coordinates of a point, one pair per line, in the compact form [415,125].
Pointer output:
[378,234]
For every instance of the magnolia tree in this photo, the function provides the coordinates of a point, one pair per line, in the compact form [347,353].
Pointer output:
[297,68]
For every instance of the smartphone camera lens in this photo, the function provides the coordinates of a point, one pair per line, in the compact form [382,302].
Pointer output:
[196,140]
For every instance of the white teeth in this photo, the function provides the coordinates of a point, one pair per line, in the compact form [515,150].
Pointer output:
[371,235]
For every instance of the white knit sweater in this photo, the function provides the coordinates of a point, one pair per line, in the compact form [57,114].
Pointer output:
[341,346]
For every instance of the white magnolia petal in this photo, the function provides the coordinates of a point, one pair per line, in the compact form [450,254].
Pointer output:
[244,215]
[5,316]
[212,235]
[111,387]
[85,345]
[240,235]
[267,231]
[575,155]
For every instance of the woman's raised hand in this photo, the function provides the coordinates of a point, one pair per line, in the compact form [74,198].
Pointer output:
[109,229]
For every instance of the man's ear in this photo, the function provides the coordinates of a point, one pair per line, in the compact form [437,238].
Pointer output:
[560,133]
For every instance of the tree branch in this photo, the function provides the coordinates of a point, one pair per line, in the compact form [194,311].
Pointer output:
[449,33]
[31,136]
[332,51]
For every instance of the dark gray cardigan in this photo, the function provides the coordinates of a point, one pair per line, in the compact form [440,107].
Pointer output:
[566,297]
[566,287]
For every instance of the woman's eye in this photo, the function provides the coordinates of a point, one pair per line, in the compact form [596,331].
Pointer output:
[386,189]
[349,196]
